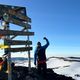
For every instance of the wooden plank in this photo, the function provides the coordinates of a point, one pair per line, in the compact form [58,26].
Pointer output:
[18,22]
[13,32]
[19,49]
[16,35]
[19,15]
[12,7]
[6,8]
[18,42]
[18,12]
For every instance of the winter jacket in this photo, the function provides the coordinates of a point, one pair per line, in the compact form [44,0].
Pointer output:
[39,54]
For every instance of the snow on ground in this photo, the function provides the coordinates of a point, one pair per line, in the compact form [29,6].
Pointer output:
[53,63]
[23,63]
[67,68]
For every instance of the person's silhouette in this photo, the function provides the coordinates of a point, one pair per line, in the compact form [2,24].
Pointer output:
[40,57]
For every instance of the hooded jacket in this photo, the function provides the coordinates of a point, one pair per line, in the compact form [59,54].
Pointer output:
[39,54]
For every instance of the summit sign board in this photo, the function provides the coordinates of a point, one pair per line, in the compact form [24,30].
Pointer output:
[17,15]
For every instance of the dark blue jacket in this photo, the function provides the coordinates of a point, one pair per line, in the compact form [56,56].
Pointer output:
[40,53]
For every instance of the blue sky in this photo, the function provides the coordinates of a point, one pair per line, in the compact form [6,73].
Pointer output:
[58,20]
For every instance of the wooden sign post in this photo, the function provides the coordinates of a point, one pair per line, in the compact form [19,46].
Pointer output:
[15,15]
[8,56]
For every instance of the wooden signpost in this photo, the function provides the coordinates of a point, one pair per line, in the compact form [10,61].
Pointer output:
[17,21]
[17,11]
[12,32]
[15,15]
[18,42]
[19,49]
[17,35]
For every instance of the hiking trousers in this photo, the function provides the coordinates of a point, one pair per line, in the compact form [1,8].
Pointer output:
[42,68]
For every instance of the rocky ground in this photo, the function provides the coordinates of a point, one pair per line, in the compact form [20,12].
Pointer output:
[22,73]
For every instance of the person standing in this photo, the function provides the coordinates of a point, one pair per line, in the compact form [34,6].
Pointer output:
[40,56]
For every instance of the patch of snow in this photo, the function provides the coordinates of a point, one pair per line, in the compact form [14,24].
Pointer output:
[71,70]
[52,63]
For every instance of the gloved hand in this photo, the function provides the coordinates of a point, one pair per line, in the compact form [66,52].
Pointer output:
[35,63]
[44,38]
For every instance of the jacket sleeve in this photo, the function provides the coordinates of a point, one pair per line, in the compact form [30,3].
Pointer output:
[35,56]
[47,44]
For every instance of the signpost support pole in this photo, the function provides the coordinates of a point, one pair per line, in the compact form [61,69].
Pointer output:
[29,59]
[6,27]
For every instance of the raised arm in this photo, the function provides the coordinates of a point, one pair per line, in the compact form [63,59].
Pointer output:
[47,43]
